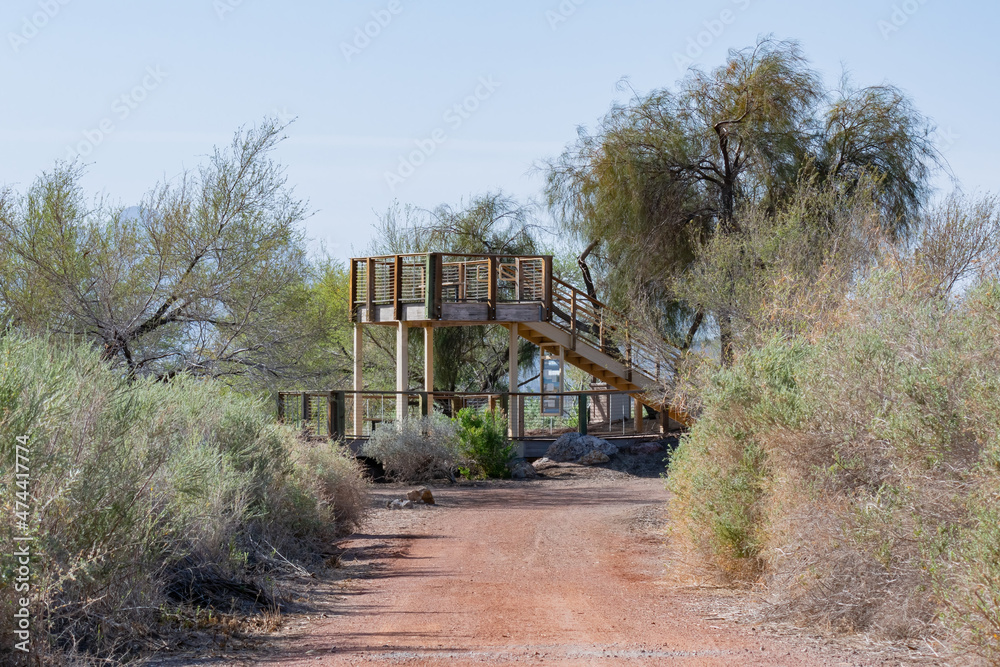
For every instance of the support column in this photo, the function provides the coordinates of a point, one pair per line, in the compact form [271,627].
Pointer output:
[402,370]
[429,361]
[512,406]
[359,382]
[638,417]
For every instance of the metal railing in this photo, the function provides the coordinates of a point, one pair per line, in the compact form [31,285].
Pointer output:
[531,415]
[492,279]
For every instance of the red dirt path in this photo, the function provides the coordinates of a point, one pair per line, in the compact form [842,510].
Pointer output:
[559,572]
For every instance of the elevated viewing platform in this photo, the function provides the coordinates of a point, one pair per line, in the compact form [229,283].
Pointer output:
[432,290]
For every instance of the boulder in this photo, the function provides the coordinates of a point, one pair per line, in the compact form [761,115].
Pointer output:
[423,494]
[406,504]
[593,458]
[521,469]
[570,447]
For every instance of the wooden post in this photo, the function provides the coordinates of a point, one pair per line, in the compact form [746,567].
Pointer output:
[664,419]
[426,404]
[547,286]
[429,360]
[461,282]
[331,419]
[572,320]
[280,398]
[432,296]
[370,290]
[305,411]
[338,409]
[352,291]
[402,369]
[359,382]
[520,415]
[638,417]
[628,356]
[518,280]
[397,289]
[491,288]
[512,381]
[492,403]
[583,415]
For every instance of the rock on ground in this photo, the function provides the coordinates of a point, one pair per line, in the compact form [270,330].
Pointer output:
[423,494]
[593,458]
[521,469]
[571,447]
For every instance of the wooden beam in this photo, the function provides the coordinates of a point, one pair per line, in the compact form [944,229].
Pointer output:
[512,376]
[547,286]
[638,417]
[397,289]
[429,361]
[370,290]
[352,291]
[491,288]
[359,381]
[402,369]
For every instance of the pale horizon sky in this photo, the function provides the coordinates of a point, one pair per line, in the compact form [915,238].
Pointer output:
[144,90]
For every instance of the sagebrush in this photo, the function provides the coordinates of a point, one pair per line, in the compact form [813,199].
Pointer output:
[417,449]
[144,494]
[855,473]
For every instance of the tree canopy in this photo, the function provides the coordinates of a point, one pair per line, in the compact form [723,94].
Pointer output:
[669,170]
[208,275]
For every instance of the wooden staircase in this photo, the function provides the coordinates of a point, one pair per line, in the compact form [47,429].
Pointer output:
[437,289]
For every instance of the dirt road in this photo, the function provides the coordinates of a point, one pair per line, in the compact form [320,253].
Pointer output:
[566,572]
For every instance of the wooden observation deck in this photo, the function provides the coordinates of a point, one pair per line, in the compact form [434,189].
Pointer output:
[442,290]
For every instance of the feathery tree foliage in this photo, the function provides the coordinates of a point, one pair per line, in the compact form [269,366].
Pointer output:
[669,170]
[208,276]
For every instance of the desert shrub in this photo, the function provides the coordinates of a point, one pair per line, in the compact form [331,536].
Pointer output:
[483,438]
[855,471]
[146,496]
[416,449]
[721,472]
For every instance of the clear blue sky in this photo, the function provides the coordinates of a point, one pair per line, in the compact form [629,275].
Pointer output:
[192,71]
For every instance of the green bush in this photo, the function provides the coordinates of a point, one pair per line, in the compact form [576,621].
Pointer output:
[136,487]
[483,437]
[721,473]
